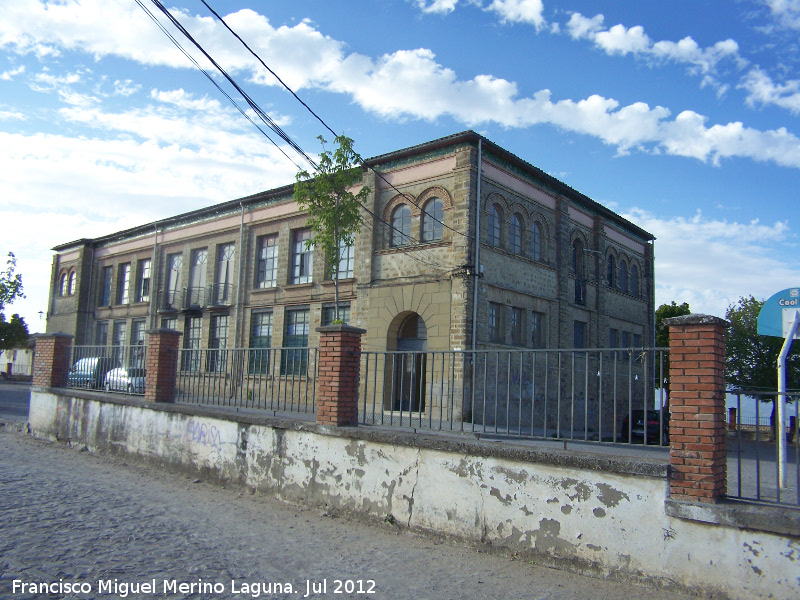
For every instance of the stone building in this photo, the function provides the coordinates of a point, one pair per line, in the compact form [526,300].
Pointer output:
[554,269]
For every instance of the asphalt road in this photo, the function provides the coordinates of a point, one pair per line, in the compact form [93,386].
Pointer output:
[14,401]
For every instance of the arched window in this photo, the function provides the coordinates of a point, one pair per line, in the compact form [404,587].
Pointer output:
[577,258]
[515,234]
[623,276]
[536,241]
[495,219]
[634,280]
[612,270]
[62,287]
[432,220]
[72,283]
[401,225]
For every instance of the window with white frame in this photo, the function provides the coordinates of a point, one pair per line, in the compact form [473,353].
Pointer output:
[72,281]
[225,258]
[495,224]
[267,273]
[302,257]
[106,274]
[143,283]
[346,260]
[123,283]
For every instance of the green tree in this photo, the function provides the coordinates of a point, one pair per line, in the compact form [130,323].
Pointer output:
[10,282]
[666,311]
[334,210]
[13,333]
[751,360]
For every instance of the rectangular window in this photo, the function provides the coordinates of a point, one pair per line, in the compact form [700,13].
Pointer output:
[191,344]
[260,343]
[579,334]
[517,326]
[198,271]
[123,283]
[169,323]
[295,362]
[137,339]
[302,256]
[267,261]
[143,283]
[218,343]
[538,337]
[496,322]
[105,286]
[613,338]
[626,343]
[637,340]
[329,313]
[101,333]
[119,339]
[346,262]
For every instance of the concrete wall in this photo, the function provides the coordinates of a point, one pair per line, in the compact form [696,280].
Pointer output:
[597,513]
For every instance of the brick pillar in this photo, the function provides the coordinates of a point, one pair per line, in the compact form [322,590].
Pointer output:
[697,425]
[51,359]
[337,374]
[162,365]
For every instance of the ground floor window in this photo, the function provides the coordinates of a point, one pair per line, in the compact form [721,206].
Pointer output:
[260,343]
[329,313]
[295,362]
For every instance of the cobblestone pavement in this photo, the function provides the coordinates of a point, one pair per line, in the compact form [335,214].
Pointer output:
[71,517]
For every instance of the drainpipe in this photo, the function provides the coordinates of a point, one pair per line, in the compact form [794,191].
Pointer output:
[153,278]
[477,266]
[236,324]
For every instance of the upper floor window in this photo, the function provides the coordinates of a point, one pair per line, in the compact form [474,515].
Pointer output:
[536,241]
[123,284]
[623,276]
[577,258]
[432,220]
[105,286]
[346,261]
[401,225]
[267,261]
[515,234]
[495,221]
[72,280]
[62,287]
[302,256]
[612,271]
[634,280]
[198,270]
[143,285]
[225,257]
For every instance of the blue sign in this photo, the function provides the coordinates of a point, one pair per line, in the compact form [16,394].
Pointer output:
[777,314]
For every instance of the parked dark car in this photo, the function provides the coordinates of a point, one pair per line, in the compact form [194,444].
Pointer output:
[636,433]
[90,372]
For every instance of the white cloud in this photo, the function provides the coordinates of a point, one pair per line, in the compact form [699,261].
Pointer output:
[519,11]
[9,75]
[409,83]
[786,12]
[184,99]
[764,91]
[621,40]
[7,115]
[710,263]
[126,88]
[436,6]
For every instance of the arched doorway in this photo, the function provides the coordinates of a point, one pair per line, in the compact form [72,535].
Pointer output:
[408,364]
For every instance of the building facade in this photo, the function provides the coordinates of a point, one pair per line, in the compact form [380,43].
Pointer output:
[553,269]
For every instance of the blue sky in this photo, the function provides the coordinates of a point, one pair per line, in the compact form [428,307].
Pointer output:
[681,115]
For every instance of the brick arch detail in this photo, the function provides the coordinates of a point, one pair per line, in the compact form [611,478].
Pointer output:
[436,191]
[397,201]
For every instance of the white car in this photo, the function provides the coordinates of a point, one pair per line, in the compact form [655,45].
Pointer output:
[126,379]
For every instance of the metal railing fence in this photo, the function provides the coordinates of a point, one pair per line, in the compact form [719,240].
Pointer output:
[114,368]
[276,379]
[605,395]
[753,467]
